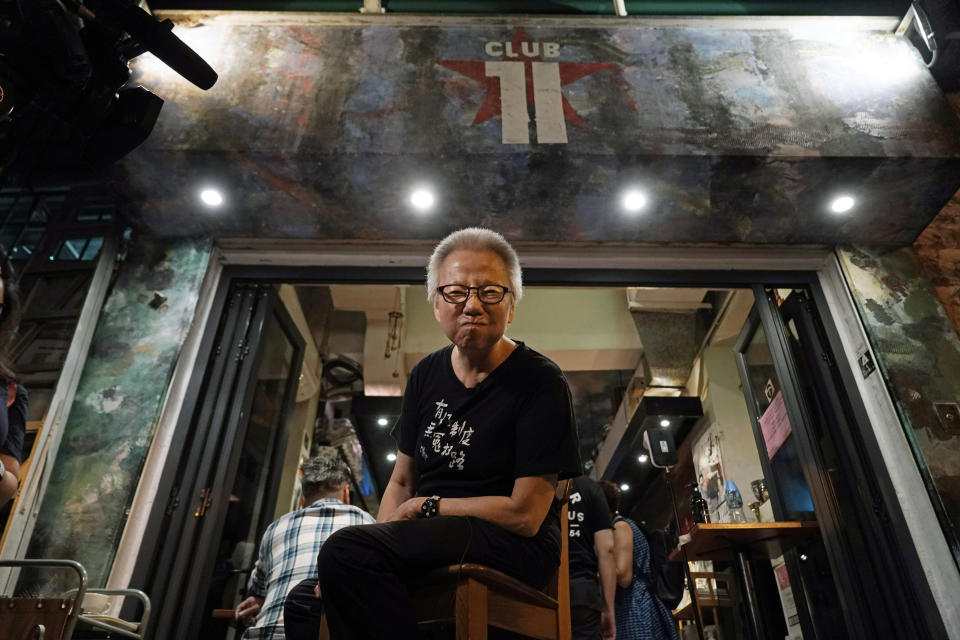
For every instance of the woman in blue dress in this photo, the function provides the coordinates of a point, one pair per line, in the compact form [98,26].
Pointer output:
[639,613]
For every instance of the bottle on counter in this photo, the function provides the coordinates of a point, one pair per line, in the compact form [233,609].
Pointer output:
[734,502]
[698,506]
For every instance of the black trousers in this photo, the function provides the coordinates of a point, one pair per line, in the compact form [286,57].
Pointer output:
[364,569]
[302,611]
[585,623]
[586,605]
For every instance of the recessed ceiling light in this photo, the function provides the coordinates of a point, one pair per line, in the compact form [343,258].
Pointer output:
[634,200]
[422,199]
[624,487]
[392,457]
[664,423]
[842,204]
[211,197]
[382,422]
[643,457]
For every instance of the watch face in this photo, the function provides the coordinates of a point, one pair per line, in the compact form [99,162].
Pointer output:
[429,508]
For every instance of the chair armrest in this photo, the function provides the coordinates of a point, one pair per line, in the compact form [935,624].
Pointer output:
[129,629]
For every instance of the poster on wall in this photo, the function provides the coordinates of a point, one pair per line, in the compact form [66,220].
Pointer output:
[787,601]
[775,425]
[708,462]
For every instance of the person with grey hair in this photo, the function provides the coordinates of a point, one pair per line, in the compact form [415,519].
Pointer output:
[485,432]
[475,239]
[288,551]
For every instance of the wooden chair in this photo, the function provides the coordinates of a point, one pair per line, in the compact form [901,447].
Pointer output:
[475,597]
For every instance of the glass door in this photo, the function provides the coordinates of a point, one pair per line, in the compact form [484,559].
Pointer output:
[843,580]
[226,477]
[251,500]
[806,605]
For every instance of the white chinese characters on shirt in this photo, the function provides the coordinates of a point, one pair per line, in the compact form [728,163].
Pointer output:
[446,436]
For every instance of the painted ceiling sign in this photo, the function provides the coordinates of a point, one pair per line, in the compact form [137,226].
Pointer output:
[523,73]
[319,127]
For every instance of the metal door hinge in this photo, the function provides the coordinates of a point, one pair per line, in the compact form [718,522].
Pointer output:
[205,502]
[880,510]
[242,349]
[174,501]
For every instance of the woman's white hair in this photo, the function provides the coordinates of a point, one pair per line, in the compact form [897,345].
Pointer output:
[475,239]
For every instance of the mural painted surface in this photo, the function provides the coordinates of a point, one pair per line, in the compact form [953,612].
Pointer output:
[919,355]
[939,248]
[321,131]
[111,423]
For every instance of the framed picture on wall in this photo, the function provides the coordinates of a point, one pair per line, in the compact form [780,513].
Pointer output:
[708,462]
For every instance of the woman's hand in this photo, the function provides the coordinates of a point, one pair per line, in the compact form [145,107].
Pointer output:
[408,509]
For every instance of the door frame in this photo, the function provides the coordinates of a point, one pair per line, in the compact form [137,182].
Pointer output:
[932,571]
[210,440]
[237,424]
[33,485]
[862,617]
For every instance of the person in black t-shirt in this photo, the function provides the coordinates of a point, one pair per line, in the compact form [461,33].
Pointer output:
[486,431]
[591,555]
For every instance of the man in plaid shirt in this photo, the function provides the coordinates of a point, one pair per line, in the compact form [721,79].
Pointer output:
[288,550]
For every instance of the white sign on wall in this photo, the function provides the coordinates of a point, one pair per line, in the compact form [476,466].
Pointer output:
[522,74]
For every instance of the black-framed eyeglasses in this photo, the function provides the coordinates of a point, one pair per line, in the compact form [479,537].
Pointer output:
[487,294]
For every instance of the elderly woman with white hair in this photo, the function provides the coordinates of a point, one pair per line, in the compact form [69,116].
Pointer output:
[486,431]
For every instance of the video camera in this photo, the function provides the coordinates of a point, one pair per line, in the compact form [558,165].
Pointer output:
[65,102]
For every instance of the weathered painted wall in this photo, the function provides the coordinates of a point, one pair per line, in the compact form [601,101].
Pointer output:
[939,248]
[320,129]
[918,354]
[118,401]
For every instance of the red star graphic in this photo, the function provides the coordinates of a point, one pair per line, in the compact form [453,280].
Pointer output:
[569,72]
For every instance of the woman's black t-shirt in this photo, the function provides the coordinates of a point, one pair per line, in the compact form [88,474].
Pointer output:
[517,422]
[13,422]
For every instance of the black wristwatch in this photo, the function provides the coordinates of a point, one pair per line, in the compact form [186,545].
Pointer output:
[430,507]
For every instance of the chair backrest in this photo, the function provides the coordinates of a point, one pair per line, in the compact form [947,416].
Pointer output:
[31,618]
[24,617]
[559,587]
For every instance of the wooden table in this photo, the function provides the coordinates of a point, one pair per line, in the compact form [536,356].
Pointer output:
[740,539]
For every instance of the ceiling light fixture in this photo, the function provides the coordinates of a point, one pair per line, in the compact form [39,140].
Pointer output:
[624,487]
[634,201]
[382,422]
[422,199]
[643,458]
[392,457]
[842,204]
[211,197]
[664,423]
